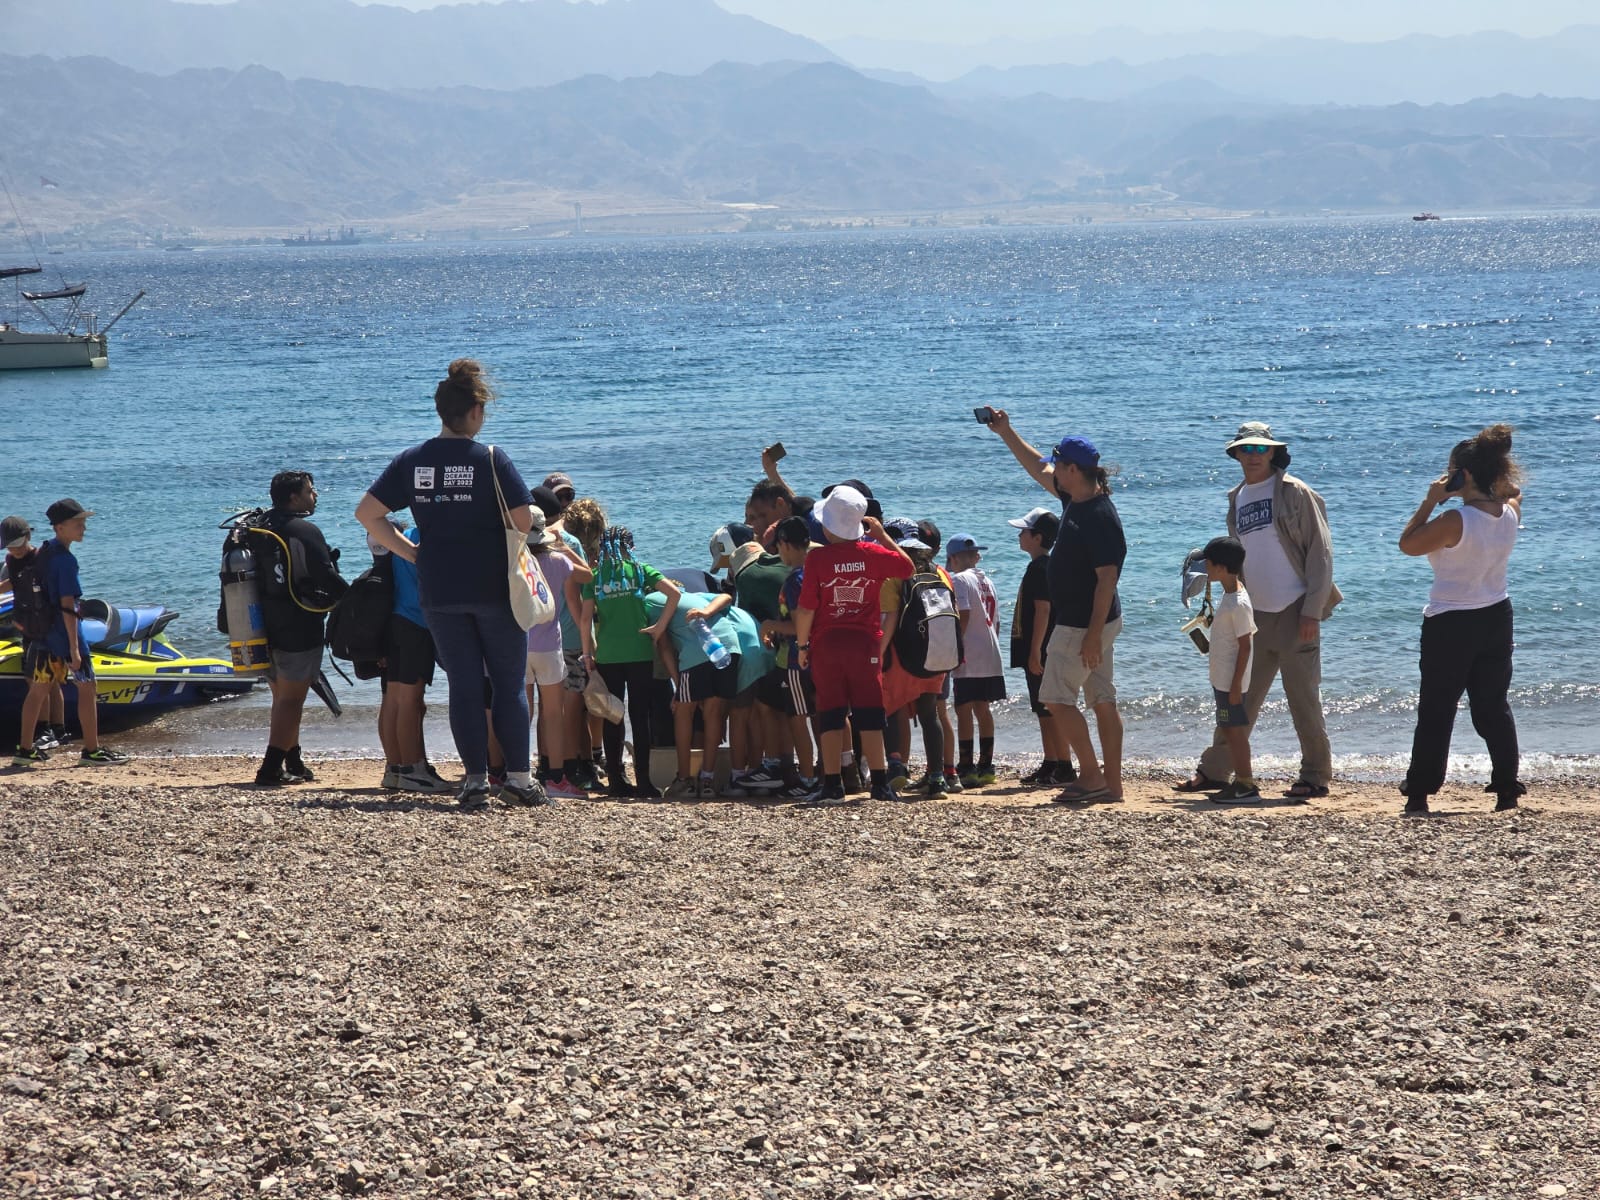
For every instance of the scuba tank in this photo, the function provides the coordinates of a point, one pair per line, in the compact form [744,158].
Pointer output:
[241,606]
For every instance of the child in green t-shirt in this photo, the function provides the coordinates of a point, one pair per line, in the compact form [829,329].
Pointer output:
[619,641]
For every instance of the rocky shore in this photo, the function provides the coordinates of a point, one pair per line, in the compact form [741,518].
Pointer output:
[207,990]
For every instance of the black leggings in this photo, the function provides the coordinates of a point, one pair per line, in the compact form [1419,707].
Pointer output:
[632,681]
[1468,651]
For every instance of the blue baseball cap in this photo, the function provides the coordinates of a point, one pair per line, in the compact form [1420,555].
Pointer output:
[1078,451]
[962,543]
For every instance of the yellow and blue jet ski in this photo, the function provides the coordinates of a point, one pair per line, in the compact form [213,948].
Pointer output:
[138,672]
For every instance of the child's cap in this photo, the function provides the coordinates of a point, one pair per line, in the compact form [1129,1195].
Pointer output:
[1034,518]
[63,511]
[1225,552]
[14,531]
[962,543]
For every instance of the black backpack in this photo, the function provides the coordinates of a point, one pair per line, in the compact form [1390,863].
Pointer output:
[927,637]
[31,610]
[356,626]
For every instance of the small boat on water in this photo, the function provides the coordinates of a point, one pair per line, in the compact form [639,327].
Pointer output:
[138,672]
[1427,216]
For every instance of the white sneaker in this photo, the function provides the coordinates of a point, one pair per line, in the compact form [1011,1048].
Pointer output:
[391,780]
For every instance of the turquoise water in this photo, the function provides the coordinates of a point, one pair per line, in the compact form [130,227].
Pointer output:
[655,370]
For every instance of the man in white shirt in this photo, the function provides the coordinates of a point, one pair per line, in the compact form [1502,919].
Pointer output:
[1283,525]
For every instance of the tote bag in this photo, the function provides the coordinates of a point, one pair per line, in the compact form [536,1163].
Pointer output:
[531,600]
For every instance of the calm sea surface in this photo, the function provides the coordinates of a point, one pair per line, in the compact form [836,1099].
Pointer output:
[655,370]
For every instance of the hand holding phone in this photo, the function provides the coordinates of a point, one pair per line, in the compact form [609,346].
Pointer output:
[775,452]
[1456,481]
[984,415]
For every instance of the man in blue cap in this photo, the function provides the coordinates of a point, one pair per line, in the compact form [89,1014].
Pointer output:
[1085,564]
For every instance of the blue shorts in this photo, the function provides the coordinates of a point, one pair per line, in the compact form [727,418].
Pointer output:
[1229,716]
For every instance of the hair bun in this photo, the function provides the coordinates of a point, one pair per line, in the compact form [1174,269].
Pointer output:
[464,370]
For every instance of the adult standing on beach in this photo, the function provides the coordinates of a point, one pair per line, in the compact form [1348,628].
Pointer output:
[300,585]
[1283,525]
[1467,625]
[451,483]
[1085,565]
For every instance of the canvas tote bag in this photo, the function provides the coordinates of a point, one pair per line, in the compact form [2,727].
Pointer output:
[531,600]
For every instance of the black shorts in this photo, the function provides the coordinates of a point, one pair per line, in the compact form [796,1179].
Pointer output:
[772,689]
[800,697]
[706,682]
[983,689]
[407,652]
[1039,710]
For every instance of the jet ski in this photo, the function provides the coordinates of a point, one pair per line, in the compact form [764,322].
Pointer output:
[138,672]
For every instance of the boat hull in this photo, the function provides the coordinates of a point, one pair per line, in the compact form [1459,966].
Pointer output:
[132,683]
[20,351]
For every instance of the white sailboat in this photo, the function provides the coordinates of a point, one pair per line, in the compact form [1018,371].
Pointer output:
[63,343]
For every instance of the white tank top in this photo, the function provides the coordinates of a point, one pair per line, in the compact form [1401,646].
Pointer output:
[1472,573]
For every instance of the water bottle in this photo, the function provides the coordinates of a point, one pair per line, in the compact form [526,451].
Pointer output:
[711,644]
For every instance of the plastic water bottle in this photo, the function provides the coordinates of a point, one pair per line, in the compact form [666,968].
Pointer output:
[711,644]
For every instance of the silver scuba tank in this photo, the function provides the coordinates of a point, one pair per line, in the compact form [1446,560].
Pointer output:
[241,606]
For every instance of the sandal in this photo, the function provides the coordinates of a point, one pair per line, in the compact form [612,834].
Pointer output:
[1199,783]
[1303,790]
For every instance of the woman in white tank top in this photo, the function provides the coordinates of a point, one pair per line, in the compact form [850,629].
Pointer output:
[1467,630]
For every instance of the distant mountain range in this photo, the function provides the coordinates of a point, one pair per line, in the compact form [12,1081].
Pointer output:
[1417,69]
[518,44]
[532,43]
[251,149]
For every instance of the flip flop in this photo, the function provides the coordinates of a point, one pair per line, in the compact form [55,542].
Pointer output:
[1073,794]
[1304,789]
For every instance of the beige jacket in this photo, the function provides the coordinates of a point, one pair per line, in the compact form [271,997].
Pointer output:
[1301,518]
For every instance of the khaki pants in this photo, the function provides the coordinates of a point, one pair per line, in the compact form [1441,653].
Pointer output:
[1278,648]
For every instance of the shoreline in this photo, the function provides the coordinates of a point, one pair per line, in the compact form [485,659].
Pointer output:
[1148,790]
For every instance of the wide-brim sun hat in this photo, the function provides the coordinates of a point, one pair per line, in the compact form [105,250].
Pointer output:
[1252,433]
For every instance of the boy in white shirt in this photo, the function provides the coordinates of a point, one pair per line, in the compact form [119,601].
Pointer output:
[980,679]
[1233,628]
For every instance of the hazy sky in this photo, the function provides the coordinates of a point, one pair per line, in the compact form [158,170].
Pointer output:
[970,22]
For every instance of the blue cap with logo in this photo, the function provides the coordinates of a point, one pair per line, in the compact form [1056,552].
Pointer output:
[1078,451]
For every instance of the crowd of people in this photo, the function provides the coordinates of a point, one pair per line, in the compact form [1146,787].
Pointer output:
[820,632]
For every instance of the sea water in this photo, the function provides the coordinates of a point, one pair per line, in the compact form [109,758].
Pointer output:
[654,371]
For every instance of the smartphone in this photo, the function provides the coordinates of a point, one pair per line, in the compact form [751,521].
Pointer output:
[1457,480]
[984,415]
[776,451]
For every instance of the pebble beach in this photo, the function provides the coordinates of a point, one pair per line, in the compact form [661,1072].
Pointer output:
[209,990]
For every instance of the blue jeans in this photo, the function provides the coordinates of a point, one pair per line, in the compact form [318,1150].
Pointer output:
[474,640]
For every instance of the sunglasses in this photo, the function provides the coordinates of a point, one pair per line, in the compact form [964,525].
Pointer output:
[1255,448]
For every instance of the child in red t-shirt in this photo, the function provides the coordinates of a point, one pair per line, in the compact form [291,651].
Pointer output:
[837,625]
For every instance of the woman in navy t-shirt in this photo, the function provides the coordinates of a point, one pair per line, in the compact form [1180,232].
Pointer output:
[448,483]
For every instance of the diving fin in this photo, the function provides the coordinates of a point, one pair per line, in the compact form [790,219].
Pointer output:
[324,691]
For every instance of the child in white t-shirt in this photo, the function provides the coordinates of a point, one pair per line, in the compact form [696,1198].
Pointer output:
[980,679]
[1233,628]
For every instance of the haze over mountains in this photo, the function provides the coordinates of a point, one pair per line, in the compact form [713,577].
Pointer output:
[285,113]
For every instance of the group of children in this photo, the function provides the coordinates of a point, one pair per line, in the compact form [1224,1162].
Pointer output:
[815,639]
[45,594]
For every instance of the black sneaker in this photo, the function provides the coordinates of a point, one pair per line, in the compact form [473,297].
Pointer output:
[518,796]
[46,740]
[296,766]
[851,777]
[1041,776]
[473,797]
[831,797]
[103,757]
[30,756]
[1416,806]
[277,778]
[1240,791]
[885,791]
[936,789]
[1065,773]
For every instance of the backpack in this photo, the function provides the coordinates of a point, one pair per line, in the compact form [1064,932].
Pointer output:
[31,611]
[927,637]
[356,627]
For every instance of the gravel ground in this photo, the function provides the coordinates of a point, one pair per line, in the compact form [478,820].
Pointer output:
[211,991]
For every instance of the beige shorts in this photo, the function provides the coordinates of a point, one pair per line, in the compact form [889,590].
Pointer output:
[1065,676]
[545,667]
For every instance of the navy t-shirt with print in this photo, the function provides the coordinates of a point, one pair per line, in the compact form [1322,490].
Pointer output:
[446,484]
[1090,537]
